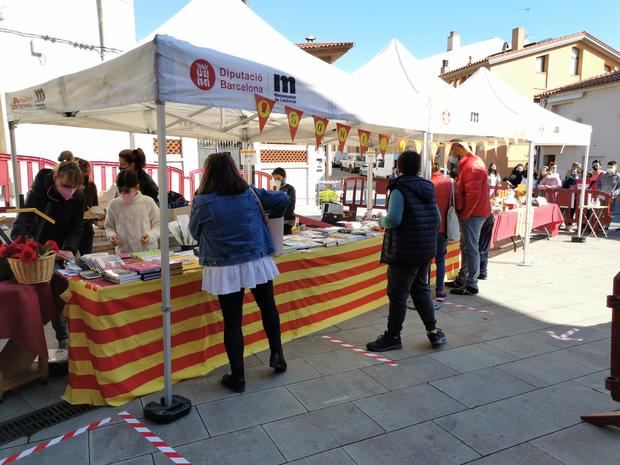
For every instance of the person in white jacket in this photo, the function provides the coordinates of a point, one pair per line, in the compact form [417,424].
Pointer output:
[132,219]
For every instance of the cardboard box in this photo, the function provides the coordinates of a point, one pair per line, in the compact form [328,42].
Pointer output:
[174,212]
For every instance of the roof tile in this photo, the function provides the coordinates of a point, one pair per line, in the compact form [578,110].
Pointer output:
[599,80]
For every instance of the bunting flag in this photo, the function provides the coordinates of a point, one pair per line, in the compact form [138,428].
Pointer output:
[434,148]
[343,133]
[320,126]
[364,137]
[384,141]
[263,107]
[402,145]
[294,117]
[418,145]
[447,149]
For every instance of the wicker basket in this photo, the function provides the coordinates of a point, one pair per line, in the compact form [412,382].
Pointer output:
[37,272]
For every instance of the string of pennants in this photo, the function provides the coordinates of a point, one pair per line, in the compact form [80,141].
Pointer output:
[265,105]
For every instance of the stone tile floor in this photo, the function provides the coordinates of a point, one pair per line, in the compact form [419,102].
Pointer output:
[501,392]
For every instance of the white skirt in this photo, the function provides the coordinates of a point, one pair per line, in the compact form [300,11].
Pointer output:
[221,280]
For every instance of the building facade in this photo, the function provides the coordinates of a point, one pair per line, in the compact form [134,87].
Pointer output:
[594,101]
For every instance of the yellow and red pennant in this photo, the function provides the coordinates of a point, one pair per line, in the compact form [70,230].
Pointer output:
[320,126]
[384,141]
[263,108]
[343,133]
[364,137]
[294,117]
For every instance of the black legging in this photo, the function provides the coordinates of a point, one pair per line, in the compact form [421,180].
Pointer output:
[232,309]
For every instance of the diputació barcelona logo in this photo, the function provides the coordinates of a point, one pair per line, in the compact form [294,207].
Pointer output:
[202,74]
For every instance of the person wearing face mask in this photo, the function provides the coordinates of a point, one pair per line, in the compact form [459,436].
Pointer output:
[132,219]
[610,182]
[572,176]
[279,174]
[596,173]
[135,160]
[55,193]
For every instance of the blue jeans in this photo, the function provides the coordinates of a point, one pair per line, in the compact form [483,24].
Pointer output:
[484,245]
[440,260]
[470,255]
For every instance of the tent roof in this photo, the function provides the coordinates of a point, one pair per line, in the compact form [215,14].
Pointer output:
[430,102]
[540,126]
[250,58]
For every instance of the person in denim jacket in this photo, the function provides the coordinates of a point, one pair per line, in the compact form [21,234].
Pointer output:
[228,221]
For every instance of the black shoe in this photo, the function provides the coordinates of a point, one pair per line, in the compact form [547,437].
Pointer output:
[482,277]
[437,337]
[457,283]
[276,360]
[464,291]
[234,383]
[385,342]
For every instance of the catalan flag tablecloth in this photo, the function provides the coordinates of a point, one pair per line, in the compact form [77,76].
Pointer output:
[116,348]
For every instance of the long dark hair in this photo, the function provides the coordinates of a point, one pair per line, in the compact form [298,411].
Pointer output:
[221,176]
[135,157]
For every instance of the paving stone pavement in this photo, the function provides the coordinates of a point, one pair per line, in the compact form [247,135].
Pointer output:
[501,392]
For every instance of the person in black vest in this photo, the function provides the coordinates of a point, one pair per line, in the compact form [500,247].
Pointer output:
[409,245]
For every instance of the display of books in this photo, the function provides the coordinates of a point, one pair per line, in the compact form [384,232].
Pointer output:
[121,275]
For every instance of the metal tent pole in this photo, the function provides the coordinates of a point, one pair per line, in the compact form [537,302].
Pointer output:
[15,165]
[171,407]
[529,211]
[582,195]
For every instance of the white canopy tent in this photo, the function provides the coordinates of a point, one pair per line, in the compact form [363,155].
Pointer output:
[540,127]
[168,86]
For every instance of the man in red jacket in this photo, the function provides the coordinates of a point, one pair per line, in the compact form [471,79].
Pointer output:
[473,206]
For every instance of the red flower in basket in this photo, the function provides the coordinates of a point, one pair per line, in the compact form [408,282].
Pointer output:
[5,251]
[28,255]
[34,245]
[52,246]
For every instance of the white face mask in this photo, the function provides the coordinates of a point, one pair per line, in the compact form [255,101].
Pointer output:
[611,170]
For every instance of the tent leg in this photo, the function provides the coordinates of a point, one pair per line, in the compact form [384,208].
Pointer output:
[15,164]
[529,211]
[171,407]
[582,198]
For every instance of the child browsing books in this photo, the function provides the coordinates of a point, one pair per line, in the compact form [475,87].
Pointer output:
[132,219]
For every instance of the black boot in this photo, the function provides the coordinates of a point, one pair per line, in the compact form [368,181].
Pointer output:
[276,360]
[234,382]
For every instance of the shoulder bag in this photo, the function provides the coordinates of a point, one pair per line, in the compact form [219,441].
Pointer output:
[275,226]
[453,228]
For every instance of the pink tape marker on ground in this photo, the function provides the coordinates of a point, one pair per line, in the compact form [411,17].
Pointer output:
[53,442]
[377,357]
[155,440]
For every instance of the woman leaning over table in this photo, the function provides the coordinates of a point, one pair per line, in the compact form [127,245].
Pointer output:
[228,220]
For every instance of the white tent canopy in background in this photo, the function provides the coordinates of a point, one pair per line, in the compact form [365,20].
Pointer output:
[433,105]
[540,126]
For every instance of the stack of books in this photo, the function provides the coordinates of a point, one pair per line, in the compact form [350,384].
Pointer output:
[147,271]
[121,275]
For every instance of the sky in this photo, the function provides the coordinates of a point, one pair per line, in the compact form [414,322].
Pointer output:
[422,26]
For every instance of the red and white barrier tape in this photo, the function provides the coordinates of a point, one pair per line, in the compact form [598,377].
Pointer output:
[377,357]
[562,337]
[155,440]
[53,442]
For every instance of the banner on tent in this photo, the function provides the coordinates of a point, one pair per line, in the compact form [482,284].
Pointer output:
[364,138]
[343,133]
[384,141]
[263,108]
[320,126]
[294,118]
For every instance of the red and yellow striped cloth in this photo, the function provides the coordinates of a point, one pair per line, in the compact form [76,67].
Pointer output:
[116,343]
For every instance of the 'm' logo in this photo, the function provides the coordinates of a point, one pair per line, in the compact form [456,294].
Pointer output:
[284,84]
[474,117]
[39,96]
[202,74]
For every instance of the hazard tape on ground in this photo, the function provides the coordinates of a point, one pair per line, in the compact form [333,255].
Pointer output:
[155,440]
[377,357]
[53,442]
[563,337]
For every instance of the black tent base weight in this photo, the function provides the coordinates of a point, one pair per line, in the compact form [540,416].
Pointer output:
[160,413]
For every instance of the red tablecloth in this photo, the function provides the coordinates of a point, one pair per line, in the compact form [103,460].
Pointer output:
[26,308]
[548,216]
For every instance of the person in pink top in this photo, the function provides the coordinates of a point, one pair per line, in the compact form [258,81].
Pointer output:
[549,179]
[443,190]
